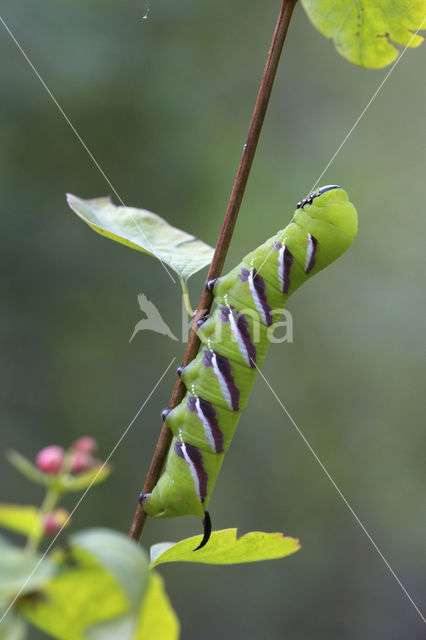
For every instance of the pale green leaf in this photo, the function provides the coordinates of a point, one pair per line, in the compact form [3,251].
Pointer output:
[366,31]
[20,518]
[4,542]
[69,482]
[79,597]
[122,557]
[121,628]
[13,625]
[225,548]
[144,231]
[157,618]
[27,468]
[22,571]
[104,591]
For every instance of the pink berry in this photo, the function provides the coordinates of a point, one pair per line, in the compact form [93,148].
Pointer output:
[54,521]
[50,459]
[85,444]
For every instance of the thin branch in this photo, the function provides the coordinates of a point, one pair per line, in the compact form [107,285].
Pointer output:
[225,235]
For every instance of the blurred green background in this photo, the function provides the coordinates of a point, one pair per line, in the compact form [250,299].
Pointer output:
[164,105]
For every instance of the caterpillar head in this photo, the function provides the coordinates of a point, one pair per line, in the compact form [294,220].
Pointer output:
[316,194]
[331,204]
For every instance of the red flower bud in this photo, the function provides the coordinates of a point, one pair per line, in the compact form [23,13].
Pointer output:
[81,461]
[54,521]
[85,444]
[50,459]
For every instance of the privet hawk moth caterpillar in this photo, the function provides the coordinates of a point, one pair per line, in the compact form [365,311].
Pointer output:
[234,341]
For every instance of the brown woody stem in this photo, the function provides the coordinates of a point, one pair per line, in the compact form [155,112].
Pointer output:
[225,235]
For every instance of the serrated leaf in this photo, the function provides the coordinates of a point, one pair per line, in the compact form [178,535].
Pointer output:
[20,518]
[225,548]
[21,571]
[157,617]
[144,231]
[366,31]
[69,482]
[24,466]
[122,557]
[81,596]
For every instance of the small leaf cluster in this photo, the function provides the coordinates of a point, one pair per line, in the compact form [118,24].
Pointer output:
[96,584]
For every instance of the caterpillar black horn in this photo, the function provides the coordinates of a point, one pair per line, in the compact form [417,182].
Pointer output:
[207,524]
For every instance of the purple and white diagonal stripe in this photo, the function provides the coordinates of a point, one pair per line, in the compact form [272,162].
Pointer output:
[194,459]
[258,292]
[207,415]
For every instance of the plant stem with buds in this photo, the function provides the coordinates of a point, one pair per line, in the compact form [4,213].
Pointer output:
[50,501]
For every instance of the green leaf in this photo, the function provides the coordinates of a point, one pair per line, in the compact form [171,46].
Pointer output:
[4,542]
[157,617]
[122,628]
[81,596]
[23,572]
[151,615]
[23,519]
[104,591]
[366,31]
[27,468]
[122,557]
[13,626]
[225,548]
[69,482]
[144,231]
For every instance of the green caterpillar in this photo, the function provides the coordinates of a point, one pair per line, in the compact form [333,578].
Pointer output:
[234,341]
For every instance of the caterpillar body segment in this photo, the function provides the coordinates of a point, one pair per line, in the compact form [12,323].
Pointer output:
[227,328]
[234,341]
